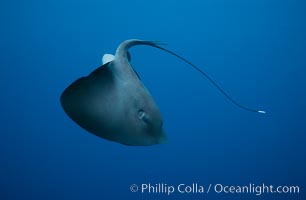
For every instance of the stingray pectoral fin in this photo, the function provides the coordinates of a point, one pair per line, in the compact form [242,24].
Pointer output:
[107,58]
[85,100]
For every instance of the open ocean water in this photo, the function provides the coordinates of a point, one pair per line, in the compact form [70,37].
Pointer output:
[256,50]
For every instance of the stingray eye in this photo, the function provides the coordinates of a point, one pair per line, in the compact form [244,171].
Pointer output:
[143,116]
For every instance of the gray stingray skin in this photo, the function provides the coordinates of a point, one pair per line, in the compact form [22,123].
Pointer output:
[113,103]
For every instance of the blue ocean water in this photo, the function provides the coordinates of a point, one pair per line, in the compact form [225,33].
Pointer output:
[255,50]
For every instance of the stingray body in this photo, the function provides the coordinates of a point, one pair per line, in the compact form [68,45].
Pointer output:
[112,102]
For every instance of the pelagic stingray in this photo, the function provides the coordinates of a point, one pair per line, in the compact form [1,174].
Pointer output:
[113,103]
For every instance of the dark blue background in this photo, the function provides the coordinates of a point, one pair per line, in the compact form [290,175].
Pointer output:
[255,49]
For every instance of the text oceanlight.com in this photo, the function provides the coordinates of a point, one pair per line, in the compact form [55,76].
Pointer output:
[218,188]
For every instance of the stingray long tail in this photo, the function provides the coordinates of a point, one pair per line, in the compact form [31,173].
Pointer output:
[129,43]
[210,79]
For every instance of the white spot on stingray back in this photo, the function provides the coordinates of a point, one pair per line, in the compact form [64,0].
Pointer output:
[107,58]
